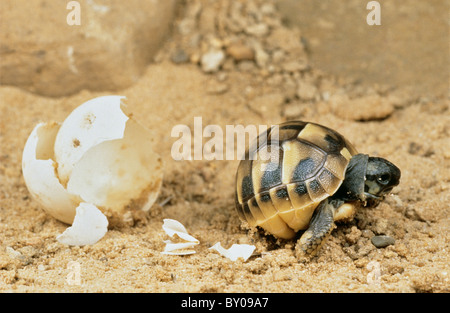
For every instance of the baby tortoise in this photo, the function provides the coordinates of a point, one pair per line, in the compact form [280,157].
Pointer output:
[313,178]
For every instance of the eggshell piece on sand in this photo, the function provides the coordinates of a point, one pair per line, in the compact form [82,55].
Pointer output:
[236,251]
[89,226]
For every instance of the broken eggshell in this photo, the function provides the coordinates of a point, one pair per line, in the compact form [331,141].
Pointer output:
[235,252]
[88,227]
[98,155]
[183,241]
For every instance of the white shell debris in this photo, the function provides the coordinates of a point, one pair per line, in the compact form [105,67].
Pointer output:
[98,155]
[89,226]
[182,248]
[184,243]
[173,227]
[177,231]
[236,251]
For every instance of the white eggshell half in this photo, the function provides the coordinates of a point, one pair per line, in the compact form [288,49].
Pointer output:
[107,158]
[98,155]
[40,177]
[89,226]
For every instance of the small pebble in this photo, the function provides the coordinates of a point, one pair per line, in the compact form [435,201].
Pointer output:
[306,91]
[382,241]
[258,30]
[211,61]
[240,52]
[261,56]
[179,56]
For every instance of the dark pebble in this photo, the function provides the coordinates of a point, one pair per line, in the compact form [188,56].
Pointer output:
[179,56]
[382,241]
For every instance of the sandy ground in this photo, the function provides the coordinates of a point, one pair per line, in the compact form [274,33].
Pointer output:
[412,132]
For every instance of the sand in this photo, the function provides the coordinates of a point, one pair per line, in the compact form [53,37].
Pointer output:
[412,132]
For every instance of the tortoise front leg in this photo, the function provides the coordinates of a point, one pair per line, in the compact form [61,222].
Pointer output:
[321,225]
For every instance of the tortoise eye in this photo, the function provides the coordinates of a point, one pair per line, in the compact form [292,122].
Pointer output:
[384,179]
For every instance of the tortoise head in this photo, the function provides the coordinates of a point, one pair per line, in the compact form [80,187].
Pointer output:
[368,179]
[381,177]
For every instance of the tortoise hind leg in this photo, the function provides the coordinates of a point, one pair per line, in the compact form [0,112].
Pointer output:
[320,227]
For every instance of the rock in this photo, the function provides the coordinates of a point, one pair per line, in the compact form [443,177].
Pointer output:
[42,53]
[240,52]
[306,91]
[366,108]
[212,60]
[179,56]
[262,58]
[382,241]
[257,30]
[195,58]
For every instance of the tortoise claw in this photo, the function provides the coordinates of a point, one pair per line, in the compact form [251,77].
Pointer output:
[310,243]
[322,223]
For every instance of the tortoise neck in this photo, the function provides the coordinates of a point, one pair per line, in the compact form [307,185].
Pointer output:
[352,188]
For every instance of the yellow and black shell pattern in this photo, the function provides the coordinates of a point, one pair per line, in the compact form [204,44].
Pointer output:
[279,193]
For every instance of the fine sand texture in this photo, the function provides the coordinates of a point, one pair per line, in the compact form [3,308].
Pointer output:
[238,63]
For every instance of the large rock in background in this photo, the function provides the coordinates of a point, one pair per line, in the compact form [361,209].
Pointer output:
[41,53]
[409,49]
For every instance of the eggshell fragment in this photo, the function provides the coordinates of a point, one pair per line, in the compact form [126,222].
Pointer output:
[181,248]
[236,251]
[173,227]
[184,241]
[89,226]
